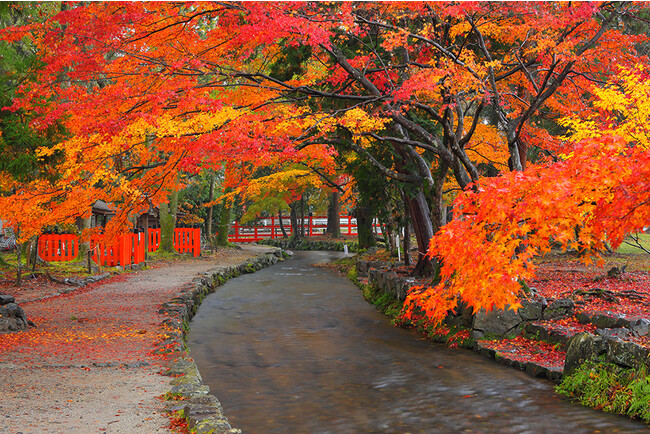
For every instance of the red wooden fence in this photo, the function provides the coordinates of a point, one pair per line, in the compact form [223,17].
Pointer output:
[54,247]
[126,250]
[154,239]
[186,240]
[270,228]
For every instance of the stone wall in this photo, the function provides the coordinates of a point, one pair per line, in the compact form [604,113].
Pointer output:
[608,345]
[497,323]
[310,244]
[500,323]
[202,410]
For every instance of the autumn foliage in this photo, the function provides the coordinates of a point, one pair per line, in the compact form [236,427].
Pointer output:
[434,97]
[597,193]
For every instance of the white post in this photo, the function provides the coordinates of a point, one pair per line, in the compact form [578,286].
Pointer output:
[399,253]
[345,249]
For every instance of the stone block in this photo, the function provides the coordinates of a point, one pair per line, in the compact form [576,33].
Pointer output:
[496,323]
[626,354]
[640,326]
[581,348]
[617,333]
[6,299]
[608,321]
[559,309]
[214,426]
[11,324]
[531,310]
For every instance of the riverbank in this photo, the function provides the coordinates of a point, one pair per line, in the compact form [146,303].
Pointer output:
[295,348]
[96,358]
[578,322]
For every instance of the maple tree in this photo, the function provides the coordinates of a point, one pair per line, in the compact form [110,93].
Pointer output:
[596,193]
[148,88]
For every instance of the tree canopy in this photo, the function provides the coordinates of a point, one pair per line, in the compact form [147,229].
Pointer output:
[425,93]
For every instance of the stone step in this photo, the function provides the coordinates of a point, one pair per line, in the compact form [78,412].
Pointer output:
[536,358]
[611,320]
[556,331]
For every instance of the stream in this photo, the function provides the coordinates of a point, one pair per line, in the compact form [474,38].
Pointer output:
[296,349]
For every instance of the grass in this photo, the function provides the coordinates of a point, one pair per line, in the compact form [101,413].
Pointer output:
[628,247]
[76,267]
[610,388]
[452,336]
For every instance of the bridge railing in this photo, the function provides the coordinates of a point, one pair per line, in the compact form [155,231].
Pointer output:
[270,228]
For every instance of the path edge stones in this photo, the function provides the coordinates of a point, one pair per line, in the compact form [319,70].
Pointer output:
[188,396]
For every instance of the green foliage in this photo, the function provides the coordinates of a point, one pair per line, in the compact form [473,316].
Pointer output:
[168,223]
[193,197]
[18,141]
[610,388]
[384,302]
[631,247]
[172,396]
[310,244]
[353,275]
[289,62]
[4,263]
[267,206]
[524,287]
[160,255]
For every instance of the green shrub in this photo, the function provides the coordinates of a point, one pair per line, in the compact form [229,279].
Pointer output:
[610,388]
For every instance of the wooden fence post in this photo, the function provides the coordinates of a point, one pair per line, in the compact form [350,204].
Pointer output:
[197,242]
[124,250]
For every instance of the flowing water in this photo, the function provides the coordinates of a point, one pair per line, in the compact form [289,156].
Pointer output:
[296,349]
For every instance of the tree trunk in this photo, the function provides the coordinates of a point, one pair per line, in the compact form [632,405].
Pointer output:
[27,248]
[224,222]
[84,247]
[438,208]
[366,236]
[522,149]
[34,254]
[284,231]
[19,268]
[423,228]
[302,216]
[333,215]
[388,231]
[208,223]
[145,229]
[294,219]
[168,223]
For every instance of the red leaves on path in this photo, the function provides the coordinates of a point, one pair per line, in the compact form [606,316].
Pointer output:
[110,321]
[528,350]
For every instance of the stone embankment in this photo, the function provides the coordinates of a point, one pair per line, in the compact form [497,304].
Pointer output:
[611,336]
[310,244]
[189,396]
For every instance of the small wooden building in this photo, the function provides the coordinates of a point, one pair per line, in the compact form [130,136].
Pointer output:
[101,214]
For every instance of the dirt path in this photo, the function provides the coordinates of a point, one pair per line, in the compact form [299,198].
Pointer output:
[88,366]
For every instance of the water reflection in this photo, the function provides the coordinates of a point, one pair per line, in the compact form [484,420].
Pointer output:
[294,348]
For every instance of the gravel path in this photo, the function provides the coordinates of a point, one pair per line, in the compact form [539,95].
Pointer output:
[88,366]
